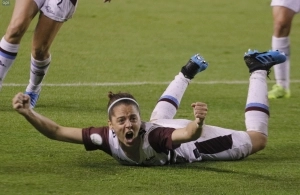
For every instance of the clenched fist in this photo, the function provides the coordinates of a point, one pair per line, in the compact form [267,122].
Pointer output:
[200,111]
[21,103]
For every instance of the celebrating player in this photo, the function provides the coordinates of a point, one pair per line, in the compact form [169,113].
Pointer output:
[52,16]
[283,14]
[165,140]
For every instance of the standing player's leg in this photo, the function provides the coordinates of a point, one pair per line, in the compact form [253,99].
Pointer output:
[48,25]
[168,103]
[24,12]
[44,34]
[283,13]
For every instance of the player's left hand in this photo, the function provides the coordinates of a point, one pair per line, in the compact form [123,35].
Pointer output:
[200,111]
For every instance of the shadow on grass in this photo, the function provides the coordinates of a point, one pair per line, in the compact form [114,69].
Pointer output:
[264,165]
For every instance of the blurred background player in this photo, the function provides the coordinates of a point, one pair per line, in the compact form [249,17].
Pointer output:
[53,13]
[283,14]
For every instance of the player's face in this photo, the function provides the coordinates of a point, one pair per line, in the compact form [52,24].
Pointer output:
[126,123]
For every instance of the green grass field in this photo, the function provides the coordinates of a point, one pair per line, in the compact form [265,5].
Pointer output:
[138,47]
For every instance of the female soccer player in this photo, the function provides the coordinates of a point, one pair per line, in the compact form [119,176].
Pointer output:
[165,140]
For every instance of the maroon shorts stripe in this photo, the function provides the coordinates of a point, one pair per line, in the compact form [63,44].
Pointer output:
[215,145]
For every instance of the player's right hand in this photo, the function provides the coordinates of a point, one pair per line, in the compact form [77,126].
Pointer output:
[21,102]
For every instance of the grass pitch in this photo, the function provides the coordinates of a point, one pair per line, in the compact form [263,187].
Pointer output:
[138,47]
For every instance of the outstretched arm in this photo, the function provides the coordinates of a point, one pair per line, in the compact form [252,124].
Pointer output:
[194,129]
[21,103]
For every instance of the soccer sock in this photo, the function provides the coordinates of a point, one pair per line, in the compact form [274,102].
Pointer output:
[8,54]
[38,70]
[257,105]
[168,103]
[282,71]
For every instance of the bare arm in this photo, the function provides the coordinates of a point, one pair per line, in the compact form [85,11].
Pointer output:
[194,129]
[21,103]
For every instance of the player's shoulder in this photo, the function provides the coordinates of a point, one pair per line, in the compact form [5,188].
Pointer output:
[96,129]
[148,126]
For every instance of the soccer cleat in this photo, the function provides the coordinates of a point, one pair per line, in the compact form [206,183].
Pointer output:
[33,98]
[195,65]
[279,92]
[263,60]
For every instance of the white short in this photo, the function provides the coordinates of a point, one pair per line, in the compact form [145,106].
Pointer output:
[291,4]
[241,143]
[58,10]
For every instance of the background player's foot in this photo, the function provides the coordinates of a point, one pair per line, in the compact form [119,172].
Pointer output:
[33,98]
[195,65]
[263,60]
[278,92]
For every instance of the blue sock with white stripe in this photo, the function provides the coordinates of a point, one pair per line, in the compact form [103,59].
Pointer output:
[257,106]
[8,54]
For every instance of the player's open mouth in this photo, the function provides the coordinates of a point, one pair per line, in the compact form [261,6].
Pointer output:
[129,135]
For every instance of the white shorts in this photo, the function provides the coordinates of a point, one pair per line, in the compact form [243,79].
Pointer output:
[58,10]
[241,143]
[291,4]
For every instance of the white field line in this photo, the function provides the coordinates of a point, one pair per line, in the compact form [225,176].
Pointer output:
[134,83]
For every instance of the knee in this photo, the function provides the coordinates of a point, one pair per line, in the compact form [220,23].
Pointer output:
[281,28]
[40,53]
[15,32]
[259,141]
[262,142]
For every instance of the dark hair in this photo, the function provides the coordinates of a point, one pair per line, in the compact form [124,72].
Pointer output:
[115,96]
